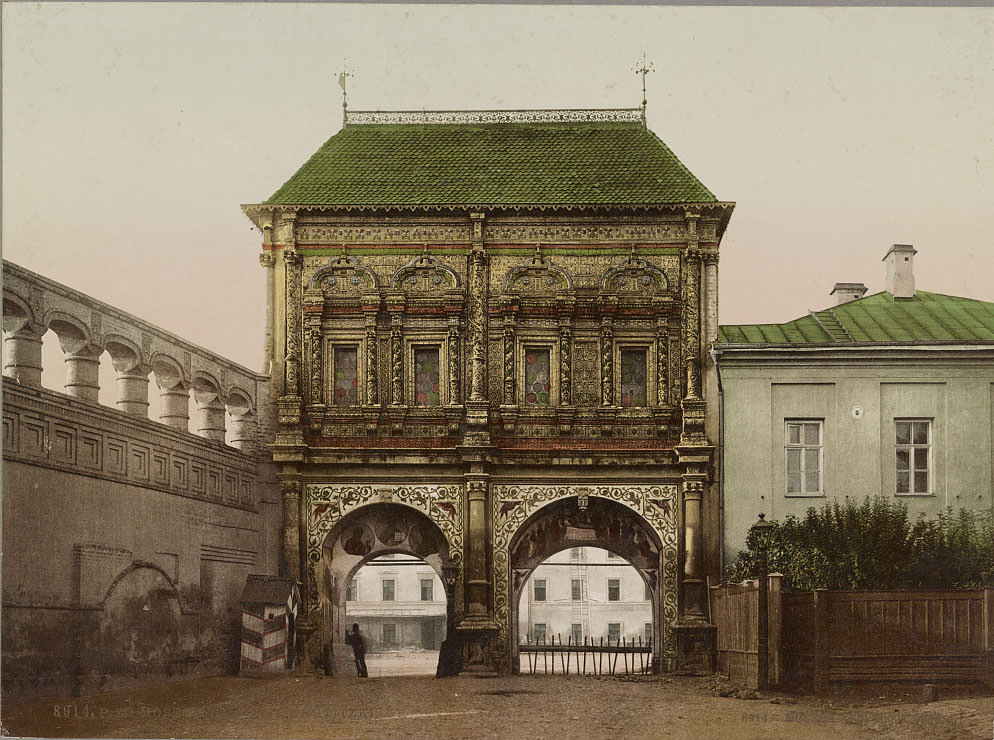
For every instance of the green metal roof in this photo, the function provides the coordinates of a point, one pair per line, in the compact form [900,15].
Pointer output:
[927,317]
[595,163]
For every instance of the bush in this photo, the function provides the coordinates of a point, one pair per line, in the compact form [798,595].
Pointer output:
[875,546]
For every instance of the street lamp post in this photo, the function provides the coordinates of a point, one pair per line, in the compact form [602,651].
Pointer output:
[759,531]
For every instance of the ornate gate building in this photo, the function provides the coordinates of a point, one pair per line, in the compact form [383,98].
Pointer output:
[489,335]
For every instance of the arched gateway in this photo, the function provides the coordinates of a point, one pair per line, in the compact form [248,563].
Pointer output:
[491,364]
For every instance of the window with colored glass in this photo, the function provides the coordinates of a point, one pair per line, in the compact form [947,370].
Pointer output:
[346,376]
[426,377]
[537,385]
[633,387]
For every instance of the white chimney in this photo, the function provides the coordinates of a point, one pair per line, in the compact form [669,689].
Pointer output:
[845,292]
[900,261]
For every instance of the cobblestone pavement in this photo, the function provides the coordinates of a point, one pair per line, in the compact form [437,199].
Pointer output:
[544,707]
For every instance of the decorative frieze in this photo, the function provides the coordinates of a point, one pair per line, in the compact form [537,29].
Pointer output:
[376,235]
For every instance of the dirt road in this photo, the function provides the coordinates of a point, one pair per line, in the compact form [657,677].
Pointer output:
[580,707]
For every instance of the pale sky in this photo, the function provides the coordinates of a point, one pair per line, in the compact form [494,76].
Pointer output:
[133,132]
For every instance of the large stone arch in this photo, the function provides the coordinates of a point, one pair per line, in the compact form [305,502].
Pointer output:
[517,509]
[331,509]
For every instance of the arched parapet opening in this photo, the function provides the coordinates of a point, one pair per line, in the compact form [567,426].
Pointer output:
[82,355]
[240,419]
[348,525]
[22,345]
[174,391]
[637,522]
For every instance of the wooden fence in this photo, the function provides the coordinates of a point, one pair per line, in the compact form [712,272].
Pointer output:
[823,636]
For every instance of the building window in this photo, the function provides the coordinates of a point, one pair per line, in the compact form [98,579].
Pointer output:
[803,449]
[389,633]
[577,632]
[346,375]
[613,633]
[633,386]
[426,377]
[914,456]
[539,589]
[575,589]
[352,594]
[537,377]
[538,632]
[427,589]
[614,589]
[576,553]
[389,589]
[648,633]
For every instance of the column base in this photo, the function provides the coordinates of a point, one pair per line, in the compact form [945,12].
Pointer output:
[478,634]
[695,647]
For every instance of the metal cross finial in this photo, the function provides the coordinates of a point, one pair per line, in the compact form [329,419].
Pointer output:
[632,257]
[342,78]
[645,68]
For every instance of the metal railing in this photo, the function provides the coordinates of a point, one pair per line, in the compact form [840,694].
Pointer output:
[635,656]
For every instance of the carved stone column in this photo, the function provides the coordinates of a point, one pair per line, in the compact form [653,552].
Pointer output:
[477,629]
[175,405]
[710,258]
[291,527]
[372,391]
[396,362]
[132,388]
[509,384]
[662,365]
[291,375]
[268,261]
[83,373]
[455,376]
[607,364]
[695,636]
[316,361]
[478,324]
[565,365]
[23,361]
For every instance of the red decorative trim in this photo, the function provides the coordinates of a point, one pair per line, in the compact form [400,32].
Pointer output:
[383,442]
[544,443]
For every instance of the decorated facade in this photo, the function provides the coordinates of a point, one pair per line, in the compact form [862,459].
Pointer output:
[488,334]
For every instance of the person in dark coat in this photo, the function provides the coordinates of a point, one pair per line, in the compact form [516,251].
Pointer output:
[358,643]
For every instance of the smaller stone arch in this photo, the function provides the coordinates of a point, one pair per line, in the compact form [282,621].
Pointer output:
[168,371]
[538,275]
[17,311]
[137,565]
[425,274]
[344,275]
[210,406]
[74,335]
[125,354]
[634,275]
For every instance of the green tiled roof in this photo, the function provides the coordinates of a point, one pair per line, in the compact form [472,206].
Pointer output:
[498,164]
[928,317]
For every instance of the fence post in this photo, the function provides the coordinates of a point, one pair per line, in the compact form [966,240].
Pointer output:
[822,641]
[989,637]
[776,628]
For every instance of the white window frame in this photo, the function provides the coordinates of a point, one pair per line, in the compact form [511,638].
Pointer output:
[912,447]
[431,588]
[576,589]
[352,591]
[545,589]
[803,447]
[393,589]
[609,582]
[621,631]
[393,626]
[576,632]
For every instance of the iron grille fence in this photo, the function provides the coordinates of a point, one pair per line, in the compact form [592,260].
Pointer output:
[627,656]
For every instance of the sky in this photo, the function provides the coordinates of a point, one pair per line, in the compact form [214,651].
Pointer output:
[132,133]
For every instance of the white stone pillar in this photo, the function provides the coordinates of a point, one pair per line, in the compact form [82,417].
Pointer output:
[83,373]
[243,432]
[175,405]
[210,417]
[23,361]
[132,390]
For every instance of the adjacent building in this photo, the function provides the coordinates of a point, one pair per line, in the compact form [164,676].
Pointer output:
[888,394]
[585,595]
